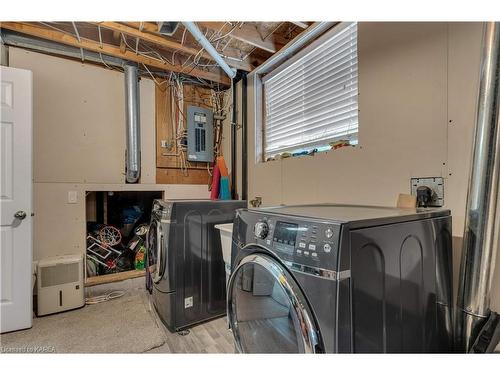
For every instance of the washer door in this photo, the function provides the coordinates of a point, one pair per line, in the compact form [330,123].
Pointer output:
[155,250]
[267,311]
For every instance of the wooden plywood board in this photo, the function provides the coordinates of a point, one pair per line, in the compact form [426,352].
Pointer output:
[178,176]
[164,128]
[114,277]
[169,158]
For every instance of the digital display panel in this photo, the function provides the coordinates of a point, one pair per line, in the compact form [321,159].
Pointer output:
[285,233]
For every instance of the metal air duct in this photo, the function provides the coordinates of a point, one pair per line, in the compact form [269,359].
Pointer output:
[132,113]
[482,225]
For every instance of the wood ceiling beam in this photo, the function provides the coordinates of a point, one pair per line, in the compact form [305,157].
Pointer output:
[150,27]
[302,25]
[154,37]
[107,49]
[247,34]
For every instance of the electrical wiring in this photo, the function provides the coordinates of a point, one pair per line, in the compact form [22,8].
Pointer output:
[147,54]
[100,36]
[58,29]
[136,46]
[179,131]
[153,77]
[151,51]
[182,43]
[143,49]
[225,35]
[267,36]
[108,66]
[79,40]
[217,100]
[76,31]
[104,297]
[215,37]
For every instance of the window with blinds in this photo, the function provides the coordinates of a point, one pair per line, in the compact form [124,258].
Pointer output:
[311,101]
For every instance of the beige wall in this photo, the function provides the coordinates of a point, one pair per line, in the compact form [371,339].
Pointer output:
[60,227]
[417,97]
[79,121]
[79,145]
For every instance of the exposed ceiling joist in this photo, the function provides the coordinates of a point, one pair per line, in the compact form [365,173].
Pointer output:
[60,37]
[150,27]
[247,34]
[160,40]
[302,25]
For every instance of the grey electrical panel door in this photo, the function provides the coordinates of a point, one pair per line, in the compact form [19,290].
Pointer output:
[200,140]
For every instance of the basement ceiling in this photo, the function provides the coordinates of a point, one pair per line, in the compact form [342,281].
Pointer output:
[244,45]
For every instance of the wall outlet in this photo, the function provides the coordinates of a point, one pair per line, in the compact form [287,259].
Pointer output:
[436,184]
[72,196]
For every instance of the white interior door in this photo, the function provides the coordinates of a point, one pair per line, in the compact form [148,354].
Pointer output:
[15,199]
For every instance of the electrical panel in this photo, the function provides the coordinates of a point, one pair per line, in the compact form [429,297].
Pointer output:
[200,139]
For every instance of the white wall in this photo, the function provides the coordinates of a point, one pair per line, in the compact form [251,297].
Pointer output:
[79,145]
[417,98]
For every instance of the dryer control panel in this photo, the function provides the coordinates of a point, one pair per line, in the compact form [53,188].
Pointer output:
[312,244]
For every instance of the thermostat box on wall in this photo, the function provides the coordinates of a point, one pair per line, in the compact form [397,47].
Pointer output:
[60,284]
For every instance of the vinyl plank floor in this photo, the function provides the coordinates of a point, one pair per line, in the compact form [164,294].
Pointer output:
[138,328]
[209,337]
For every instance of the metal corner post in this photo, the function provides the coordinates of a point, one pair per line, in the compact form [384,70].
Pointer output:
[234,137]
[482,225]
[244,139]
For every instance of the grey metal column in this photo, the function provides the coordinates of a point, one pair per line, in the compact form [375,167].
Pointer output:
[481,221]
[132,114]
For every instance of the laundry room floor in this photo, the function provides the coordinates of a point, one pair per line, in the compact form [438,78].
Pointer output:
[127,324]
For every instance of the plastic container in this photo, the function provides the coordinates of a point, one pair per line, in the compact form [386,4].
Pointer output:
[226,237]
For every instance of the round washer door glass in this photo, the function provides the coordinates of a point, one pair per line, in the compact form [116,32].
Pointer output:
[154,243]
[267,311]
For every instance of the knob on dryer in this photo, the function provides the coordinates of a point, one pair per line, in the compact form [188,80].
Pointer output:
[261,229]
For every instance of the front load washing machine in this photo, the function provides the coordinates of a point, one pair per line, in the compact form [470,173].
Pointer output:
[340,279]
[185,270]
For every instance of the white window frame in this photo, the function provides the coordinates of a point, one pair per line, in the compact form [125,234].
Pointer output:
[258,76]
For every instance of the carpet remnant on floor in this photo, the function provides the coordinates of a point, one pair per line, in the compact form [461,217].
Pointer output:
[124,325]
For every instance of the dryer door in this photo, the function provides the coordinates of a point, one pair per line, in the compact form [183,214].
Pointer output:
[267,311]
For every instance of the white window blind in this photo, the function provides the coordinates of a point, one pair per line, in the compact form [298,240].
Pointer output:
[314,100]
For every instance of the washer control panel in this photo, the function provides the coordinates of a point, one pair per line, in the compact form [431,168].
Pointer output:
[308,243]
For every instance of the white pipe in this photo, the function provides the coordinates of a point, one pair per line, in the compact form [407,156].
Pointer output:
[200,38]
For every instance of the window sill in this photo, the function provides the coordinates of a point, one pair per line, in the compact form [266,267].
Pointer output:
[290,155]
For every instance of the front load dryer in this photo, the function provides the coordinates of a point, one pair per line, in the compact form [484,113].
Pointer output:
[341,279]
